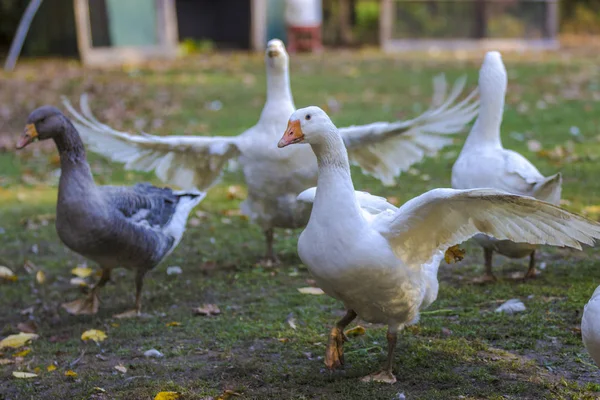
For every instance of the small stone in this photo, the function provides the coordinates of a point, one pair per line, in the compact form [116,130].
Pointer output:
[153,353]
[512,306]
[446,332]
[174,270]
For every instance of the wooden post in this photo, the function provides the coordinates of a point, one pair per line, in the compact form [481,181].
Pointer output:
[552,19]
[386,21]
[258,24]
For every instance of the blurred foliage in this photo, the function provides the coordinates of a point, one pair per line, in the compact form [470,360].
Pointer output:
[193,46]
[581,17]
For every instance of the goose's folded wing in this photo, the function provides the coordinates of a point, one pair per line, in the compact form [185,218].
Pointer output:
[370,204]
[384,150]
[184,161]
[442,218]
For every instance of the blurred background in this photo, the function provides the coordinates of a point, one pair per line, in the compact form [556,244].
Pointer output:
[201,25]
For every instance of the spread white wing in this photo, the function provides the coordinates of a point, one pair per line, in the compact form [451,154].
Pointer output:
[442,218]
[369,204]
[184,161]
[384,149]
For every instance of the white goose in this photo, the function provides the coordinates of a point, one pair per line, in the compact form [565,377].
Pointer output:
[382,261]
[275,178]
[483,162]
[590,326]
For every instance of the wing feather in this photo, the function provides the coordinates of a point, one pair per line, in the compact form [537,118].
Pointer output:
[442,218]
[184,161]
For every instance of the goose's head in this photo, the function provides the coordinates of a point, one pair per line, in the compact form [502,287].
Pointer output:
[276,57]
[43,123]
[492,75]
[307,125]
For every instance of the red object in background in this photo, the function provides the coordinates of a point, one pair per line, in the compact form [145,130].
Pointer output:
[304,38]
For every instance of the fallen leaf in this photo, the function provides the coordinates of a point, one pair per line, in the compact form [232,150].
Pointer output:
[512,306]
[51,368]
[78,282]
[167,396]
[82,272]
[593,210]
[356,331]
[16,341]
[173,323]
[228,394]
[235,192]
[94,334]
[6,274]
[311,290]
[71,374]
[23,375]
[22,353]
[207,309]
[99,389]
[121,368]
[283,340]
[28,310]
[6,361]
[174,270]
[454,254]
[37,370]
[291,321]
[30,267]
[40,277]
[27,327]
[153,353]
[534,146]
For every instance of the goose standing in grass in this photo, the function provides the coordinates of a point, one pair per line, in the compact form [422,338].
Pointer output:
[382,261]
[484,163]
[275,178]
[132,227]
[590,326]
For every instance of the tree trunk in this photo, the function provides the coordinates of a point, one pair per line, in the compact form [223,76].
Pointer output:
[345,22]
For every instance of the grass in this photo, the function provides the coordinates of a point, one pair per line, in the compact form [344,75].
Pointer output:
[460,350]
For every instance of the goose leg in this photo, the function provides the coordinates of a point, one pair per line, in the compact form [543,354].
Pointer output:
[90,304]
[385,375]
[137,311]
[334,354]
[488,276]
[531,272]
[270,259]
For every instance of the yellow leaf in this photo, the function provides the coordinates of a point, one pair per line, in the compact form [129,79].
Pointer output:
[37,370]
[454,254]
[595,210]
[40,277]
[82,272]
[121,368]
[167,396]
[228,394]
[22,353]
[71,374]
[356,331]
[16,341]
[78,282]
[174,323]
[93,334]
[51,368]
[6,274]
[311,290]
[23,375]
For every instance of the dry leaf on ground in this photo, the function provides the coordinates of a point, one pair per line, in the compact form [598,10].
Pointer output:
[78,282]
[173,323]
[82,272]
[27,327]
[23,375]
[167,396]
[51,368]
[454,254]
[71,374]
[228,394]
[22,353]
[356,331]
[40,277]
[207,309]
[311,290]
[94,334]
[6,274]
[121,368]
[16,341]
[6,361]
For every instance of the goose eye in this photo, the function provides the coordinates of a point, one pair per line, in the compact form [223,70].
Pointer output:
[307,117]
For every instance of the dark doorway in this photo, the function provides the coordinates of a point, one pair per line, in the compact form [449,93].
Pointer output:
[225,22]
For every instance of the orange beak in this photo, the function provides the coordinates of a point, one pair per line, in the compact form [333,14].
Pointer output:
[28,136]
[293,134]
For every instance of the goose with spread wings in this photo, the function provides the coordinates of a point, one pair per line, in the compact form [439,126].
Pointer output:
[382,261]
[275,178]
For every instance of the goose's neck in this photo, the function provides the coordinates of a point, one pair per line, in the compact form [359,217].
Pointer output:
[486,130]
[278,88]
[75,171]
[335,190]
